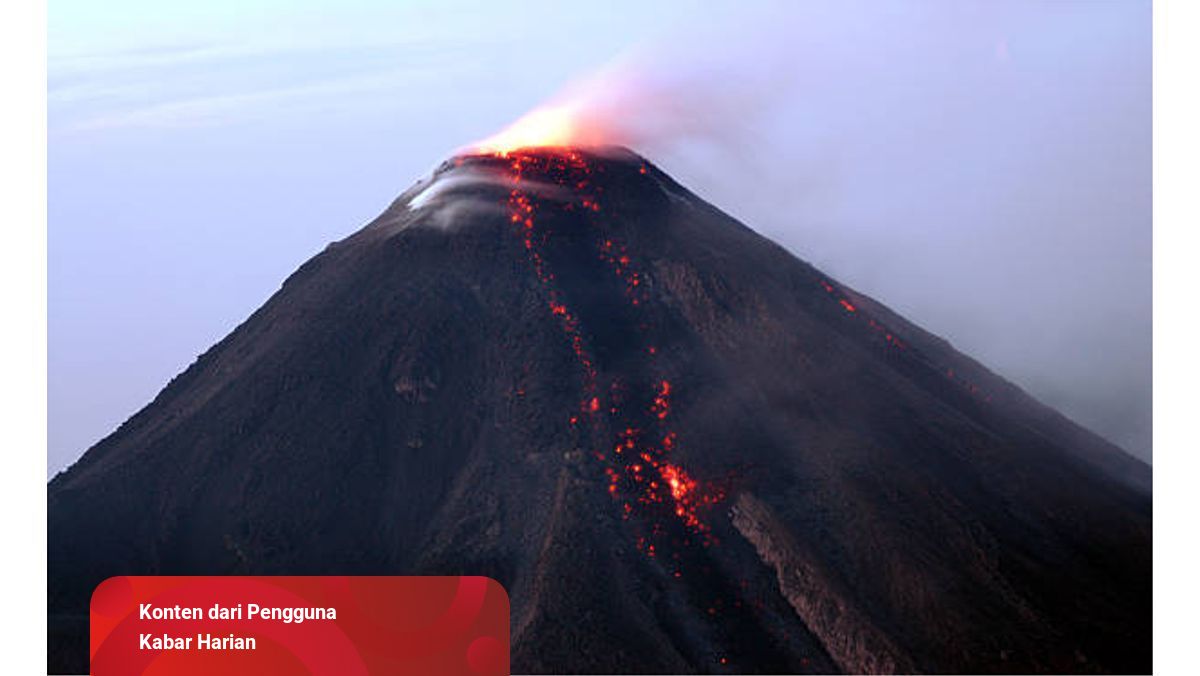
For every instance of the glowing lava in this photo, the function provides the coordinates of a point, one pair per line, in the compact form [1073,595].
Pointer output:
[893,341]
[640,473]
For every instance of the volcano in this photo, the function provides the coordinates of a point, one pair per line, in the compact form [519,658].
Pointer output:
[680,448]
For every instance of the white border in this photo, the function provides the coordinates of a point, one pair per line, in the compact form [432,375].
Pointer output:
[1176,334]
[23,346]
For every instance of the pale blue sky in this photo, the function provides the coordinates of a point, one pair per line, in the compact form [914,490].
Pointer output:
[984,168]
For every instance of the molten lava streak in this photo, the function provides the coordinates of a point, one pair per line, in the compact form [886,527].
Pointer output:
[893,341]
[640,473]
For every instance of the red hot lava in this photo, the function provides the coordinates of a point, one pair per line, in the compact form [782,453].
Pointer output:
[893,341]
[639,471]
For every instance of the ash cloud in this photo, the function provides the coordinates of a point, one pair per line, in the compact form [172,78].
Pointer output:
[983,169]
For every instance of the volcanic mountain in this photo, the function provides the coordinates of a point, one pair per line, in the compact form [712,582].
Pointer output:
[680,448]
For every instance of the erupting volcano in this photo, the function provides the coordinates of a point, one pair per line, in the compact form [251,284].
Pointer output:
[680,448]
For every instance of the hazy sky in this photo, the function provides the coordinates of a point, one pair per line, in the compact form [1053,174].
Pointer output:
[982,168]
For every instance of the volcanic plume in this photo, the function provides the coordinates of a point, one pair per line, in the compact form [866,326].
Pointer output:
[680,448]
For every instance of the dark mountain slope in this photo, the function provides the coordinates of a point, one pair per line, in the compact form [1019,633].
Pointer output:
[680,448]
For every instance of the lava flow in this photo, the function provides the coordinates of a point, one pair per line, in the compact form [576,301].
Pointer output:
[893,341]
[640,473]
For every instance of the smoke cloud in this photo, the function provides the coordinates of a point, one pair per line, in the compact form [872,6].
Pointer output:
[984,169]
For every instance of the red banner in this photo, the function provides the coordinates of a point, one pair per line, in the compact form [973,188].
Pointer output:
[427,626]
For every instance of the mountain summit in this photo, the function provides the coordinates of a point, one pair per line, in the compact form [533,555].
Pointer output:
[680,448]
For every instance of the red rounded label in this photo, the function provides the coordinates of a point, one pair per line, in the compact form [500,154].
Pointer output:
[300,625]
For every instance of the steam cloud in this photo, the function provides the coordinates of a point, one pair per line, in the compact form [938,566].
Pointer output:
[983,169]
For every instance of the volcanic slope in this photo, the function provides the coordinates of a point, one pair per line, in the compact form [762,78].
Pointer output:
[680,448]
